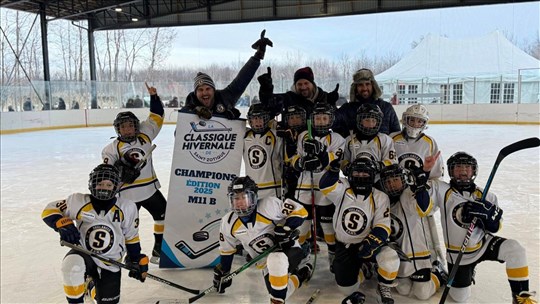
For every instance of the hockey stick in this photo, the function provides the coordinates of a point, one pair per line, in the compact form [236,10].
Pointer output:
[230,276]
[125,266]
[313,297]
[313,209]
[517,146]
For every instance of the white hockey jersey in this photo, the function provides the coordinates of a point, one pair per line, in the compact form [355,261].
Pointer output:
[450,201]
[409,231]
[263,161]
[415,150]
[147,183]
[105,234]
[356,215]
[258,236]
[379,149]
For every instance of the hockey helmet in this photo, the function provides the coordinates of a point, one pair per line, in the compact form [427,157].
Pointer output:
[414,120]
[258,118]
[243,195]
[322,118]
[361,176]
[295,116]
[104,191]
[393,180]
[462,178]
[369,119]
[126,117]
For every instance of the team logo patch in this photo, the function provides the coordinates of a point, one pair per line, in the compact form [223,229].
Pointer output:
[457,216]
[396,226]
[354,221]
[220,108]
[406,160]
[262,242]
[209,141]
[257,157]
[99,239]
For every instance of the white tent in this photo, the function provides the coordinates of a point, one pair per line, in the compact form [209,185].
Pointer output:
[488,69]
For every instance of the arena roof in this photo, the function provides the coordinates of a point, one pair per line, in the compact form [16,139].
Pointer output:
[110,15]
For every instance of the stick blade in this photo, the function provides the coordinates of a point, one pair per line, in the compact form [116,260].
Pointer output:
[527,143]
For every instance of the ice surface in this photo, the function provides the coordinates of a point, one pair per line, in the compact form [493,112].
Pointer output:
[40,167]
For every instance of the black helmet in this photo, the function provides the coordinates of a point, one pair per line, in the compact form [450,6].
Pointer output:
[462,182]
[295,117]
[362,175]
[258,110]
[322,127]
[99,174]
[366,111]
[387,174]
[247,188]
[123,117]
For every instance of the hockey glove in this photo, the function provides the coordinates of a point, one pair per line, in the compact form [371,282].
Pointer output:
[68,232]
[288,135]
[314,147]
[369,246]
[218,276]
[333,96]
[335,165]
[203,112]
[232,113]
[310,163]
[260,46]
[418,179]
[487,212]
[139,267]
[284,237]
[266,90]
[128,173]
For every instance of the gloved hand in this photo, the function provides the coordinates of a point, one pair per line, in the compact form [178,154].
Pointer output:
[486,211]
[266,89]
[333,96]
[218,275]
[289,135]
[313,147]
[335,166]
[128,173]
[369,246]
[139,267]
[310,163]
[68,232]
[347,169]
[232,113]
[417,179]
[260,46]
[203,112]
[283,236]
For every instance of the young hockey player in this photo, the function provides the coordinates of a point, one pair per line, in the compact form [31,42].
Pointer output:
[104,224]
[140,185]
[367,141]
[263,150]
[459,203]
[313,155]
[258,224]
[408,207]
[362,225]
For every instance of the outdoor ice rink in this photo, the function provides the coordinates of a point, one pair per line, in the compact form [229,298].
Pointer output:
[40,167]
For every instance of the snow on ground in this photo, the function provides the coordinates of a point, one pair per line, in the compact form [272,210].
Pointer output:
[40,167]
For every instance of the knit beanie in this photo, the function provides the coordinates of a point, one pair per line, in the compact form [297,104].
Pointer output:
[304,73]
[365,75]
[201,79]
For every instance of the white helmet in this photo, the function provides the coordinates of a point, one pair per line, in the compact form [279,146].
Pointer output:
[415,111]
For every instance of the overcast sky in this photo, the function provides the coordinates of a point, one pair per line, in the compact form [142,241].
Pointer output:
[332,37]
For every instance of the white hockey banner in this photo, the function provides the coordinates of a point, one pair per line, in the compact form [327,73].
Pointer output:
[207,156]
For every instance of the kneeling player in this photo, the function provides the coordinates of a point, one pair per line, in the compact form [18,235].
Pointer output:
[258,225]
[107,225]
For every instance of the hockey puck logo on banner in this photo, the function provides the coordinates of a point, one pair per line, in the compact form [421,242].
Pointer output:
[99,239]
[209,141]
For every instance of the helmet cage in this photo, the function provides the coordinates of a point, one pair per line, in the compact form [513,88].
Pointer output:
[294,112]
[391,172]
[416,111]
[256,111]
[322,129]
[122,118]
[462,158]
[369,111]
[101,173]
[358,183]
[248,196]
